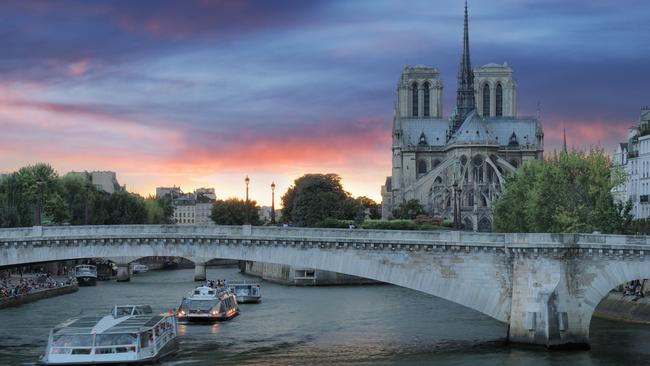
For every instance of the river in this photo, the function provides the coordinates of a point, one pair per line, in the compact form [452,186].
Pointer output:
[365,325]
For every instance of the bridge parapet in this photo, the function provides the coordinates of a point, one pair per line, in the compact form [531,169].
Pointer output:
[515,242]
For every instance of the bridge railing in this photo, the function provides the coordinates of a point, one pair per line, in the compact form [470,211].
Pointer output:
[272,232]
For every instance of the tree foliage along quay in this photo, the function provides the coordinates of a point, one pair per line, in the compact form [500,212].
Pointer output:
[316,198]
[233,212]
[568,192]
[72,200]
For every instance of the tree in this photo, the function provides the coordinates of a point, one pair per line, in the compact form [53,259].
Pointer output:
[567,193]
[409,210]
[233,212]
[314,198]
[374,208]
[159,210]
[124,208]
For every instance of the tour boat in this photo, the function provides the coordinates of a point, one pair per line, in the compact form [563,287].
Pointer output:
[130,334]
[246,292]
[138,268]
[86,274]
[208,304]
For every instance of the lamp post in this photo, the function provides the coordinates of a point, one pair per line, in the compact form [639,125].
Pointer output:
[457,201]
[272,203]
[38,212]
[455,189]
[248,217]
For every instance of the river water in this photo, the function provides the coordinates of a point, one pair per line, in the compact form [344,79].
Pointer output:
[365,325]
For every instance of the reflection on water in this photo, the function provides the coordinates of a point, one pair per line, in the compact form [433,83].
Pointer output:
[372,325]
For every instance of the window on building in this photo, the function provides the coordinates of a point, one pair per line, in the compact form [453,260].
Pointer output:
[422,167]
[486,100]
[426,99]
[499,101]
[415,96]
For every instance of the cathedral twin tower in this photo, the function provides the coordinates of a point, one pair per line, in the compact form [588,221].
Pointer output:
[473,150]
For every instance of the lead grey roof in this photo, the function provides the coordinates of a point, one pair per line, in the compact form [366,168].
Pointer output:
[435,131]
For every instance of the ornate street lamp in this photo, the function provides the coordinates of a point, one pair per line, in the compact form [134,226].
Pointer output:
[455,189]
[248,216]
[272,203]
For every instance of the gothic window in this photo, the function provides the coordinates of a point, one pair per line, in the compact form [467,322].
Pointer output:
[514,163]
[426,99]
[486,100]
[484,225]
[499,100]
[414,96]
[422,167]
[436,163]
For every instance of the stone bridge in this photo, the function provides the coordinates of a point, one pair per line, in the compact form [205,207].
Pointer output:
[545,286]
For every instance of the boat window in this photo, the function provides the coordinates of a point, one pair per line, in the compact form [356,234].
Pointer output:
[73,340]
[201,304]
[123,310]
[123,339]
[146,339]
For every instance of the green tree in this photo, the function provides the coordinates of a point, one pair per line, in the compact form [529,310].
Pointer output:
[233,212]
[409,210]
[159,210]
[374,208]
[314,198]
[124,208]
[566,193]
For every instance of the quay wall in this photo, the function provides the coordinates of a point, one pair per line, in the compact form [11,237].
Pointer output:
[38,295]
[616,306]
[298,276]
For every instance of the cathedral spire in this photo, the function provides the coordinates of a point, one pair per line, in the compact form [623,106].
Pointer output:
[465,93]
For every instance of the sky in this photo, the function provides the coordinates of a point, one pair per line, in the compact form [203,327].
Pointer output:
[202,93]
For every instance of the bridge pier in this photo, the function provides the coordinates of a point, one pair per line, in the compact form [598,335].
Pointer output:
[547,307]
[199,271]
[123,272]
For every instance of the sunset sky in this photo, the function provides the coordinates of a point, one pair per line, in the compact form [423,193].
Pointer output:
[203,93]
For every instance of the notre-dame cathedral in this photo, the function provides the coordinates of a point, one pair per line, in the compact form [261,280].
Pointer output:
[456,166]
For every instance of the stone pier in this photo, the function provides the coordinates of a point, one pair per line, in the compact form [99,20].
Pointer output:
[199,271]
[123,272]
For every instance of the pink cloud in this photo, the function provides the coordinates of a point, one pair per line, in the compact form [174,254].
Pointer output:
[79,68]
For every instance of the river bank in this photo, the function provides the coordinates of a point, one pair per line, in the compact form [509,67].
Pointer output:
[617,306]
[40,294]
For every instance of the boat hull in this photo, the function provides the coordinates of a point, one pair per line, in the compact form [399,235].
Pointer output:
[87,281]
[207,319]
[249,299]
[167,351]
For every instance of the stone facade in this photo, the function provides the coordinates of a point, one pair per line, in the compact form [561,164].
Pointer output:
[104,180]
[475,148]
[633,156]
[190,208]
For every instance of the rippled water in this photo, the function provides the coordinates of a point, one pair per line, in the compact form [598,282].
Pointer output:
[371,325]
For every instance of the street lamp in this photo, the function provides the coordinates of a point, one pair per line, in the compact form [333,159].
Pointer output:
[38,212]
[457,200]
[248,217]
[272,203]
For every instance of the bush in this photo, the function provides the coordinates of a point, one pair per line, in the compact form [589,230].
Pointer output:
[335,223]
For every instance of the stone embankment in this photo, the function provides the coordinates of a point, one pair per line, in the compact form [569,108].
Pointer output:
[617,306]
[37,295]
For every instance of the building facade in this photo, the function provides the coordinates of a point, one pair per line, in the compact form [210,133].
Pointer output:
[633,156]
[455,167]
[104,180]
[192,208]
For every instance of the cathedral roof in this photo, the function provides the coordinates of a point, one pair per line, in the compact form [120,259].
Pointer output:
[434,131]
[495,130]
[473,130]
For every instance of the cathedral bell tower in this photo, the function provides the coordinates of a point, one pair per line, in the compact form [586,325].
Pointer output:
[465,94]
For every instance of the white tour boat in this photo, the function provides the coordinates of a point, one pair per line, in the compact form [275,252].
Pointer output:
[86,274]
[130,334]
[208,304]
[246,292]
